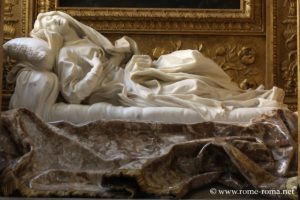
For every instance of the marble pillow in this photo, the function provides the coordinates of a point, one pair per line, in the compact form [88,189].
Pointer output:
[32,50]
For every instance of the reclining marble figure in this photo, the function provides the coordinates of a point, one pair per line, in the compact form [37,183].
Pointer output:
[98,80]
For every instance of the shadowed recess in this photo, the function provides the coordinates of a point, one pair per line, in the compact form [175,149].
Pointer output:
[196,4]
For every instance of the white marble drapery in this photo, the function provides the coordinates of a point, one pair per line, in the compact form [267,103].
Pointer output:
[184,80]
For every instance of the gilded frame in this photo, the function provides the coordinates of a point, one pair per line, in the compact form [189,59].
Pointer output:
[298,74]
[248,19]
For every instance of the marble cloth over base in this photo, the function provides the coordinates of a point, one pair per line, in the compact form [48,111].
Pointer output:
[117,158]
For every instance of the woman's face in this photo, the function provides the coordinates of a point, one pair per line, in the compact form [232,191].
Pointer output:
[55,23]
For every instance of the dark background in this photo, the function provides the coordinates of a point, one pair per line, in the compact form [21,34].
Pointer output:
[204,4]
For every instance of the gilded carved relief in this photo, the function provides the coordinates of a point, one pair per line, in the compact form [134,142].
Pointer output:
[9,19]
[289,65]
[284,44]
[45,5]
[239,62]
[10,31]
[16,24]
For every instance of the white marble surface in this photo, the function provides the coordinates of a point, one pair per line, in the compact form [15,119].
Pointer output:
[90,70]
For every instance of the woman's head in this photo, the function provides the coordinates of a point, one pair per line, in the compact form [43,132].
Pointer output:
[55,22]
[55,27]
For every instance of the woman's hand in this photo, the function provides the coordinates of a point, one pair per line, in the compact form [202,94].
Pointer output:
[95,61]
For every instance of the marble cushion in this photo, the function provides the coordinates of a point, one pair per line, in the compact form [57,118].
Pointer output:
[32,50]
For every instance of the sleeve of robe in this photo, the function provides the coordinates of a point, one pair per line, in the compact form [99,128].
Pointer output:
[75,85]
[35,90]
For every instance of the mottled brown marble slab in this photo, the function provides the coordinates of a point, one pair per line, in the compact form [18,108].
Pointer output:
[133,159]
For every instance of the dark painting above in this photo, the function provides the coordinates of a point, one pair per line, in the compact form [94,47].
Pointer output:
[194,4]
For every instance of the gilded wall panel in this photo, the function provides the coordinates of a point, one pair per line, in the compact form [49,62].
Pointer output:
[286,48]
[17,23]
[298,49]
[1,49]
